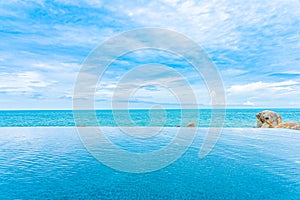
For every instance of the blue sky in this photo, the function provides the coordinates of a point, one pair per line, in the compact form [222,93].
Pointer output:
[255,45]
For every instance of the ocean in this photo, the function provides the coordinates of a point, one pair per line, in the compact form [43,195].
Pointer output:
[43,156]
[235,118]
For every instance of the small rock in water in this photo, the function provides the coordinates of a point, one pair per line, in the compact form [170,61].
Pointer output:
[191,124]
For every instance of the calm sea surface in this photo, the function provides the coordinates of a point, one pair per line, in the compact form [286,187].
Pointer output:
[242,118]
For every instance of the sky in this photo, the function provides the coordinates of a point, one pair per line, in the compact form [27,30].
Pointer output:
[254,45]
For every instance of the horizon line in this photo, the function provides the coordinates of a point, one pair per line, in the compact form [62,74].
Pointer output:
[226,108]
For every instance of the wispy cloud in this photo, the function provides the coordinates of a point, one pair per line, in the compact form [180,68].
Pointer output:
[252,87]
[82,3]
[265,94]
[254,45]
[248,103]
[24,82]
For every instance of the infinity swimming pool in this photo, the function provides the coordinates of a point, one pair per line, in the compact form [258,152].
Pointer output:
[53,163]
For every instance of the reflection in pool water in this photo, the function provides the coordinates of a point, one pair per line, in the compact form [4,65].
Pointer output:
[52,163]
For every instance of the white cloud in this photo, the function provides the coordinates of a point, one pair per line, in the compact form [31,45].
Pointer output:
[249,103]
[171,2]
[232,72]
[223,24]
[252,87]
[82,3]
[228,29]
[65,35]
[23,82]
[23,3]
[56,66]
[200,21]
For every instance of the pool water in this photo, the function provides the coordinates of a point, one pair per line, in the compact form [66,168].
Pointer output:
[52,163]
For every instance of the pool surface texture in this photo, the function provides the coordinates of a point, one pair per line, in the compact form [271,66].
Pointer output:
[53,163]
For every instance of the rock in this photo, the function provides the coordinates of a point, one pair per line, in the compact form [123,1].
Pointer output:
[191,124]
[290,125]
[270,119]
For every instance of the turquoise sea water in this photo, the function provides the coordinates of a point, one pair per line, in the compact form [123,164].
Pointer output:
[52,163]
[170,118]
[42,157]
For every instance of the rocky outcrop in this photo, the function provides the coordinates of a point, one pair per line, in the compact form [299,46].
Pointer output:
[291,125]
[270,119]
